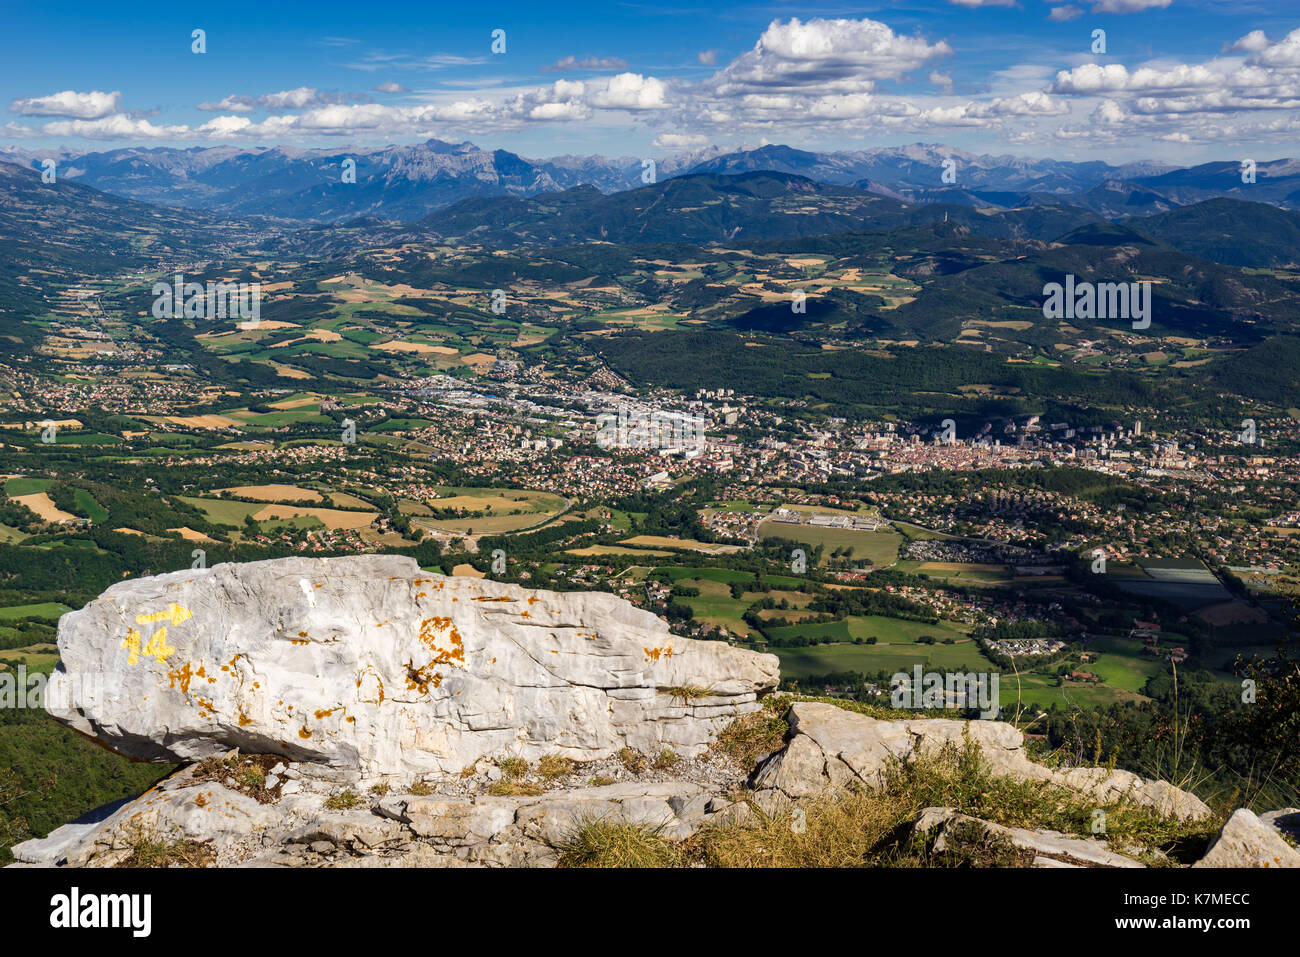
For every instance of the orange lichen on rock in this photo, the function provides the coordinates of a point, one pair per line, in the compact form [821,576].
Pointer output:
[654,654]
[183,675]
[303,732]
[431,630]
[419,679]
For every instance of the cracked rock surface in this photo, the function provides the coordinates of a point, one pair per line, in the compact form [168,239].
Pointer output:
[370,664]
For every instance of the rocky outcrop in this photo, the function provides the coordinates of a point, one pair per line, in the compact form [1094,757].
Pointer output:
[369,664]
[1247,841]
[320,820]
[359,712]
[945,831]
[831,748]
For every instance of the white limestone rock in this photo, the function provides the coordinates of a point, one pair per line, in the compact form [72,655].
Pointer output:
[831,748]
[1247,841]
[368,663]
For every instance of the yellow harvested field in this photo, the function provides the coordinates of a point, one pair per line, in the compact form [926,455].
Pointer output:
[332,518]
[479,359]
[190,535]
[665,541]
[344,500]
[320,335]
[265,324]
[403,345]
[467,571]
[44,507]
[274,493]
[289,372]
[130,531]
[296,403]
[197,421]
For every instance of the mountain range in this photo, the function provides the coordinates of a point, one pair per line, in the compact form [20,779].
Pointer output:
[407,183]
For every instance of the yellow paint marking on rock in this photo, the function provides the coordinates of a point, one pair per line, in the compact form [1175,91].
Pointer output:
[174,615]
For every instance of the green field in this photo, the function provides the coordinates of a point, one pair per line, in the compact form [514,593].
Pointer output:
[26,486]
[89,507]
[878,547]
[888,630]
[45,609]
[802,663]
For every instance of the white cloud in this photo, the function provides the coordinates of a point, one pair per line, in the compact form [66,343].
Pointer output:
[1065,13]
[632,91]
[1128,6]
[564,64]
[680,141]
[1252,42]
[388,86]
[117,126]
[839,56]
[297,99]
[70,103]
[1284,53]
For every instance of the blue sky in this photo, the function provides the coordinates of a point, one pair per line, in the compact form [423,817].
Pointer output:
[1182,82]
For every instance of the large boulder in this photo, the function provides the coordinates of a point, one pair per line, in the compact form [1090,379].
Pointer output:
[370,664]
[1246,841]
[829,748]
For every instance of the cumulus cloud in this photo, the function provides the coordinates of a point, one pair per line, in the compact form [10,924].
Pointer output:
[801,78]
[69,103]
[1284,53]
[1252,42]
[680,141]
[1128,6]
[299,99]
[117,126]
[565,64]
[631,91]
[844,56]
[1065,13]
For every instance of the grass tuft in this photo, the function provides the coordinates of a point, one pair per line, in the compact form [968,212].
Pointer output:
[602,843]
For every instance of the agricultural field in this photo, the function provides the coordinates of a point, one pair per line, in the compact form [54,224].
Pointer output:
[879,548]
[487,511]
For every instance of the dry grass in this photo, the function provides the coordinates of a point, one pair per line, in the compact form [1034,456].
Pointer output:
[515,789]
[872,829]
[665,759]
[150,850]
[513,768]
[552,766]
[602,843]
[343,801]
[632,759]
